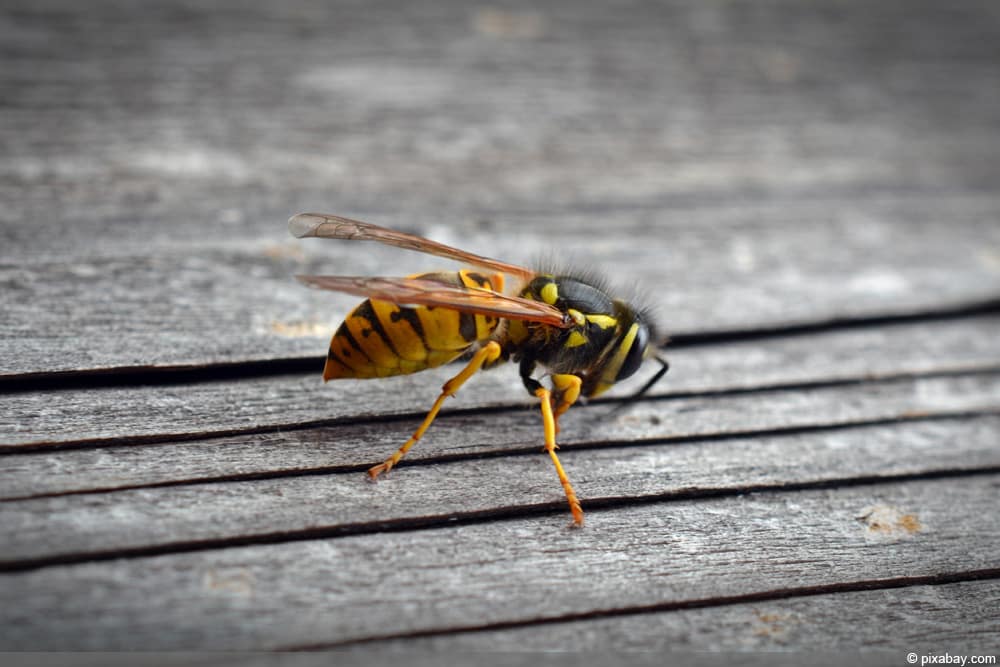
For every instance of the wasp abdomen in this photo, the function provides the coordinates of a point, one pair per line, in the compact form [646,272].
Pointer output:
[380,338]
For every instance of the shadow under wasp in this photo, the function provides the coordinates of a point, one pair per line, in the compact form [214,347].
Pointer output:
[585,339]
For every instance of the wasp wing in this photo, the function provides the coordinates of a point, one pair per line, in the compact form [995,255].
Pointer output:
[424,292]
[327,226]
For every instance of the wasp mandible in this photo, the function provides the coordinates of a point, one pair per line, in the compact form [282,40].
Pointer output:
[586,340]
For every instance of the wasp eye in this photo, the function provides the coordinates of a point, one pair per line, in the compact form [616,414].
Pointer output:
[636,353]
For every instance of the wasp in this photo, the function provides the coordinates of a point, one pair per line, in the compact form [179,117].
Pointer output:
[586,340]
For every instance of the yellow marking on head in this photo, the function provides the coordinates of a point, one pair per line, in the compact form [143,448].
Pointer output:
[549,293]
[603,321]
[610,371]
[576,339]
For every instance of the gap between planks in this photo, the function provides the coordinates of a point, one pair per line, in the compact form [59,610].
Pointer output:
[129,376]
[155,410]
[286,581]
[755,597]
[185,436]
[452,520]
[438,459]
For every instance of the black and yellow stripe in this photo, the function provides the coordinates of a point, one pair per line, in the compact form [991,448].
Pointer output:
[380,338]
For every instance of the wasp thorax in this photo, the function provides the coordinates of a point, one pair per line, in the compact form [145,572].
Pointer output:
[606,343]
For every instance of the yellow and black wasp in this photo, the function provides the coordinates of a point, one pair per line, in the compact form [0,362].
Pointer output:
[570,326]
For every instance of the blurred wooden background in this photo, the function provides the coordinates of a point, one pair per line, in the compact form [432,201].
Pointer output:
[806,194]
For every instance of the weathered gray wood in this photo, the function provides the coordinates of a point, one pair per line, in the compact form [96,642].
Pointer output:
[358,587]
[217,407]
[779,169]
[960,619]
[215,304]
[622,467]
[352,447]
[750,166]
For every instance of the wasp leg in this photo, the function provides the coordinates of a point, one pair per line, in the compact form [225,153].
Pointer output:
[485,355]
[566,391]
[549,425]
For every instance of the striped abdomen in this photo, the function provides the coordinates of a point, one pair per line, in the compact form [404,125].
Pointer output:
[380,338]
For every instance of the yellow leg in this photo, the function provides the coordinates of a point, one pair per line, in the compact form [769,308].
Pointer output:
[567,390]
[549,424]
[486,354]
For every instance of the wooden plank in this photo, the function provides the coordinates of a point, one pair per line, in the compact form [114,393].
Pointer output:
[221,304]
[959,618]
[770,168]
[335,590]
[203,409]
[611,463]
[756,176]
[352,447]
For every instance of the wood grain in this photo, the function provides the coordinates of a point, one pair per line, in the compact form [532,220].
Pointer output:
[781,169]
[330,591]
[352,447]
[805,193]
[129,414]
[882,625]
[615,463]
